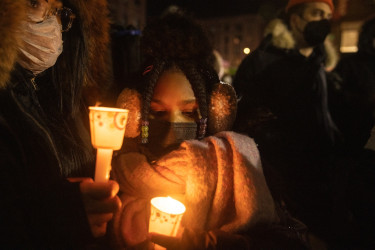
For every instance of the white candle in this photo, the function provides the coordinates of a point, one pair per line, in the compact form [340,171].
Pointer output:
[166,214]
[107,126]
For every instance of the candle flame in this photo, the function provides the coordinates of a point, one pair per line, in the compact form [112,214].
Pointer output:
[168,205]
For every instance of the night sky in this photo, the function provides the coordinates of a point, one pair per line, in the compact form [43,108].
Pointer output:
[210,8]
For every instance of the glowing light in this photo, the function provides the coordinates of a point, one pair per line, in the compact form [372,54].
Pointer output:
[107,127]
[246,51]
[166,214]
[168,205]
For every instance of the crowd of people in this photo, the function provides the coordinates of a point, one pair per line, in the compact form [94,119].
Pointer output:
[274,160]
[307,124]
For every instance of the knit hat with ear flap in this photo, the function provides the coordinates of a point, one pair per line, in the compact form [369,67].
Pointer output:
[292,3]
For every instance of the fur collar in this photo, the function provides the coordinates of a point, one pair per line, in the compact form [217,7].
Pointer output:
[282,38]
[94,26]
[12,13]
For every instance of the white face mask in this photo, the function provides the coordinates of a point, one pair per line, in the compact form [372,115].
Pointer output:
[42,45]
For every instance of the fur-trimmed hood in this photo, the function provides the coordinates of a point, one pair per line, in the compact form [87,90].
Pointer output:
[12,13]
[94,25]
[282,38]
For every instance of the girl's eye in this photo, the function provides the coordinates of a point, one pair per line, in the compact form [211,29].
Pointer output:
[190,113]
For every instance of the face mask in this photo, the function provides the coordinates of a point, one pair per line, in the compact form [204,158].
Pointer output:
[164,135]
[315,32]
[42,45]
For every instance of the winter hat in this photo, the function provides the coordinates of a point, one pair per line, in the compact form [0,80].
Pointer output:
[292,3]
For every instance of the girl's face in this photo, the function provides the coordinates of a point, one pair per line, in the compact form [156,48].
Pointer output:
[174,99]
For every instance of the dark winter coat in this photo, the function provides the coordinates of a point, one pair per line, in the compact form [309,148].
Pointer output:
[39,207]
[283,99]
[283,106]
[353,99]
[41,143]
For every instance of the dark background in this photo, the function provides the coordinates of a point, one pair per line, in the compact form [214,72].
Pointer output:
[211,8]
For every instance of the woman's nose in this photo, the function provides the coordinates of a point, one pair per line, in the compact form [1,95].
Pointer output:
[176,116]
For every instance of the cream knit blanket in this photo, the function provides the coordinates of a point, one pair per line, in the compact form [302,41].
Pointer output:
[219,179]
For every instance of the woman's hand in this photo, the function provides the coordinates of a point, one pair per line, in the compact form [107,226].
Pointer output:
[100,201]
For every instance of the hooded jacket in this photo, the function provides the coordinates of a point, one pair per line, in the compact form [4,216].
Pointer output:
[43,137]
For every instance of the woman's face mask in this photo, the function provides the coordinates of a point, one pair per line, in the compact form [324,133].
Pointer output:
[42,44]
[164,135]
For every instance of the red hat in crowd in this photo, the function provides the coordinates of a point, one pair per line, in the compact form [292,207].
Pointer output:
[292,3]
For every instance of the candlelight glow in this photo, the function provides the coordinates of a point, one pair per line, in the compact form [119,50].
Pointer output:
[107,126]
[106,109]
[166,214]
[168,205]
[246,51]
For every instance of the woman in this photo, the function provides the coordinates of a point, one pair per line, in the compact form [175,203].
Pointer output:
[219,178]
[51,62]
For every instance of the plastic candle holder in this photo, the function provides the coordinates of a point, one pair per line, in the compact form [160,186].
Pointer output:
[107,127]
[166,214]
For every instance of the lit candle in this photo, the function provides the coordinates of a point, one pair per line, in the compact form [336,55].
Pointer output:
[107,126]
[166,214]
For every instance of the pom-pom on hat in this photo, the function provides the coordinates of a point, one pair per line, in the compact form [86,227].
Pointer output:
[292,3]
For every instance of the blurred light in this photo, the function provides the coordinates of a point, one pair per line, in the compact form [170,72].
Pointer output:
[349,37]
[348,49]
[246,51]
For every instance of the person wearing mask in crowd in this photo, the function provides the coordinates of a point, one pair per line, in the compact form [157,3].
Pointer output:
[177,144]
[283,105]
[353,108]
[53,64]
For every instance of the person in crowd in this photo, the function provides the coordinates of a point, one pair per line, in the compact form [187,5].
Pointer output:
[177,144]
[353,108]
[53,65]
[282,89]
[355,86]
